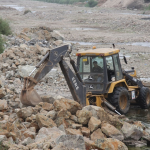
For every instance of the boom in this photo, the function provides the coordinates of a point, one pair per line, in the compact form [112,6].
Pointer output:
[30,97]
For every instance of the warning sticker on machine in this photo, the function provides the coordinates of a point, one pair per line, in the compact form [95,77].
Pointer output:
[133,94]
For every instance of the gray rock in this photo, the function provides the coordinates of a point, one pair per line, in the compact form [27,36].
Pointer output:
[25,112]
[72,141]
[2,138]
[9,74]
[57,35]
[27,141]
[60,146]
[3,104]
[111,131]
[24,71]
[52,114]
[131,131]
[48,99]
[52,133]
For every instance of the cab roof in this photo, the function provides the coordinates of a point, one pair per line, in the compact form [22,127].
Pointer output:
[99,51]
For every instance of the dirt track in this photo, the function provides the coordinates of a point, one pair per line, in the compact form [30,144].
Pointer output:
[98,26]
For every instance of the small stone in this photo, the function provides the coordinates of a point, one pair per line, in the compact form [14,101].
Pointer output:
[76,126]
[73,131]
[3,105]
[85,131]
[47,106]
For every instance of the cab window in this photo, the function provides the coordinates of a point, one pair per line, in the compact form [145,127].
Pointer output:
[117,65]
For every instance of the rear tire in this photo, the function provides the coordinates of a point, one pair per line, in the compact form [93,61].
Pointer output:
[120,99]
[144,98]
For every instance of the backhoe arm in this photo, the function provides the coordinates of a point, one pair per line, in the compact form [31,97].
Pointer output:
[77,89]
[30,97]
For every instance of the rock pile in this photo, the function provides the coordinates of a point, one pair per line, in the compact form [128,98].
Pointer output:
[63,124]
[57,122]
[22,53]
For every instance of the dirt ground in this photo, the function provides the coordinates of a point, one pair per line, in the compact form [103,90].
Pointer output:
[128,29]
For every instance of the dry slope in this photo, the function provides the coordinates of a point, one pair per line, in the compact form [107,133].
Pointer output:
[124,3]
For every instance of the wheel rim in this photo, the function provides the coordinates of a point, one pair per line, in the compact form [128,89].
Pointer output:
[123,102]
[148,99]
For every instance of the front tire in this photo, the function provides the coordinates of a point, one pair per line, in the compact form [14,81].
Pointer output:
[120,99]
[144,98]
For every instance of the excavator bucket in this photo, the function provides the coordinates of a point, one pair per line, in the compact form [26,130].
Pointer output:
[30,97]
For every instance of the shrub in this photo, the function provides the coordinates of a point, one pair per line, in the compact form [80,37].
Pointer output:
[4,27]
[147,8]
[146,1]
[27,11]
[91,3]
[1,45]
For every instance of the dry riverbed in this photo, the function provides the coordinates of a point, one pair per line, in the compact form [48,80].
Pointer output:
[128,29]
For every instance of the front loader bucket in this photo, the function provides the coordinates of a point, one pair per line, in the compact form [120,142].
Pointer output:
[30,97]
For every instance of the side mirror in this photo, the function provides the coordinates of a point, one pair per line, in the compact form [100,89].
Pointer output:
[125,60]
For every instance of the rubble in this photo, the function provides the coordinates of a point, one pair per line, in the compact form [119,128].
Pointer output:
[58,122]
[42,130]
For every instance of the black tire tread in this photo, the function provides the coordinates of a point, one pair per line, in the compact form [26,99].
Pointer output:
[113,99]
[143,96]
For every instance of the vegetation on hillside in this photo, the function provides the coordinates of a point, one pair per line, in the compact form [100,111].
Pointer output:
[4,27]
[147,1]
[5,30]
[147,8]
[90,3]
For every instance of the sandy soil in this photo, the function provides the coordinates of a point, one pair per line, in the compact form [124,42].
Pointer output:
[100,26]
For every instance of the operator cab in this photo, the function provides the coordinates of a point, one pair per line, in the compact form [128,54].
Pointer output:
[98,68]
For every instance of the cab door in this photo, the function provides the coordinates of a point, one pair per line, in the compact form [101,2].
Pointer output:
[114,71]
[117,66]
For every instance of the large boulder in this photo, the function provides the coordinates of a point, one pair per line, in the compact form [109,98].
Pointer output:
[25,112]
[67,104]
[97,134]
[90,145]
[44,121]
[131,131]
[111,144]
[111,131]
[46,136]
[100,113]
[93,124]
[24,71]
[83,116]
[72,141]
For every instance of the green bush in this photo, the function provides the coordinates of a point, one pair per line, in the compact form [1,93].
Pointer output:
[147,8]
[91,3]
[146,1]
[62,1]
[26,11]
[4,27]
[1,45]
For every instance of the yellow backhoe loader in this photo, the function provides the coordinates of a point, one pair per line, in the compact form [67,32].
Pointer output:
[98,78]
